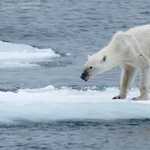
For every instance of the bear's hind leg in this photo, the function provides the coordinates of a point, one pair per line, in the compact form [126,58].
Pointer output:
[128,73]
[144,84]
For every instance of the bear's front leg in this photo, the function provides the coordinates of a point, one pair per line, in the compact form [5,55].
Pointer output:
[144,84]
[128,73]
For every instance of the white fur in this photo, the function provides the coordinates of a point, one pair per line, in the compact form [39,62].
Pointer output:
[129,50]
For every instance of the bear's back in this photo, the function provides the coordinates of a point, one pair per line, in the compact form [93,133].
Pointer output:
[142,35]
[138,28]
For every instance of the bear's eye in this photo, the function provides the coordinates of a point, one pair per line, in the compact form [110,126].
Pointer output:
[91,67]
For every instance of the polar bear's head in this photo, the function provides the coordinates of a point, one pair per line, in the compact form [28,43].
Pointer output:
[108,57]
[94,66]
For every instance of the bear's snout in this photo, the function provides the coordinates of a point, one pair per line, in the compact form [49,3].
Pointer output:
[85,75]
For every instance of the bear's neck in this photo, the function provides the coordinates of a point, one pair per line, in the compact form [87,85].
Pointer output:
[112,56]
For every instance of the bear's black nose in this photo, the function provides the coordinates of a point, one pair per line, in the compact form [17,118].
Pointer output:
[83,76]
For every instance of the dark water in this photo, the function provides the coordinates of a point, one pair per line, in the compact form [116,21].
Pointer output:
[80,28]
[86,135]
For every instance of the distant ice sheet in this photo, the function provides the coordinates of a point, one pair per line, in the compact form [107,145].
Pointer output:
[20,55]
[49,103]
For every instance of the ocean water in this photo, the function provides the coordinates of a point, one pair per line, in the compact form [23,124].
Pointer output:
[43,102]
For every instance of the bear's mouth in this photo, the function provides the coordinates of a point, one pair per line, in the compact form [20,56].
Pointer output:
[85,79]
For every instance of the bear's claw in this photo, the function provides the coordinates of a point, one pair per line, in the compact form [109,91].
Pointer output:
[116,97]
[119,97]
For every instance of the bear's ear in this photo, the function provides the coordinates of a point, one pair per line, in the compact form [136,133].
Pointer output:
[104,58]
[88,56]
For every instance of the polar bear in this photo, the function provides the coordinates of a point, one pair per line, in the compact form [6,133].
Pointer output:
[131,51]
